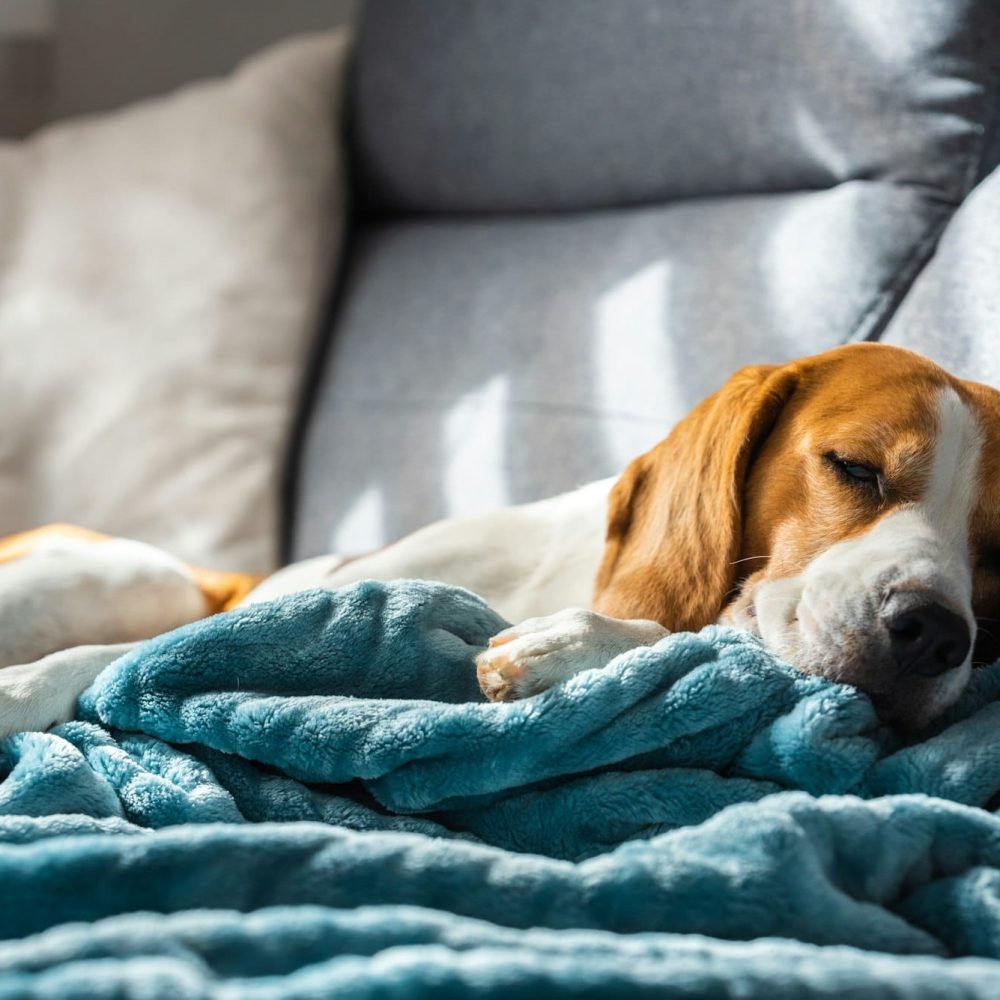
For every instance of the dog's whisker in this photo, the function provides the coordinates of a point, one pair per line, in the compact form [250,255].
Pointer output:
[736,562]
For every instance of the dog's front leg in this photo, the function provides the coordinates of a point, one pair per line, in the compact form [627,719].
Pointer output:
[540,652]
[39,695]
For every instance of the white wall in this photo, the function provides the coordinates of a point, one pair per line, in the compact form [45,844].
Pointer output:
[110,52]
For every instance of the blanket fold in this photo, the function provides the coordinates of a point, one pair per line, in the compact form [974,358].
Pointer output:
[829,871]
[331,751]
[287,953]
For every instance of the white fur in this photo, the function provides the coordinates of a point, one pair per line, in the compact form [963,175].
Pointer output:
[529,560]
[540,652]
[37,696]
[73,592]
[820,618]
[67,601]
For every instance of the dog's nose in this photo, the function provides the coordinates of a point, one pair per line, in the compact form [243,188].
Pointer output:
[928,640]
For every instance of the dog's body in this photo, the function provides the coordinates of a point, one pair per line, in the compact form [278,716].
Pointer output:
[524,561]
[845,507]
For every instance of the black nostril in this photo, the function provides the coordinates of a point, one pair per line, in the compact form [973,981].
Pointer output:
[928,640]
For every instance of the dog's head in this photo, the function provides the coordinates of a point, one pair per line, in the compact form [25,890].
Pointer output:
[845,507]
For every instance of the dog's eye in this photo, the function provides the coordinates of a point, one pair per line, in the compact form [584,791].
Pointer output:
[988,559]
[855,473]
[861,472]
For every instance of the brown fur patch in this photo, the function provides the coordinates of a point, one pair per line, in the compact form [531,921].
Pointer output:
[741,488]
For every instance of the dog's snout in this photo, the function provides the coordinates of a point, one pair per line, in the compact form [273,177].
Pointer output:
[928,640]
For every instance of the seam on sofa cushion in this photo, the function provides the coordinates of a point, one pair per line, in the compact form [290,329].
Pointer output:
[883,306]
[989,144]
[878,315]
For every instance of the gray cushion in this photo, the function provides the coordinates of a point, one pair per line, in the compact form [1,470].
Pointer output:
[481,359]
[483,105]
[485,362]
[952,313]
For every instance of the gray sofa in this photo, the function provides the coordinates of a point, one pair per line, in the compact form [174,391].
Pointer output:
[574,219]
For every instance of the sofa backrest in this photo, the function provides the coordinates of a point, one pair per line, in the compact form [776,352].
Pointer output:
[523,106]
[576,220]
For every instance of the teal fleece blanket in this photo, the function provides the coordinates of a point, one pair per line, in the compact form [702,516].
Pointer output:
[311,797]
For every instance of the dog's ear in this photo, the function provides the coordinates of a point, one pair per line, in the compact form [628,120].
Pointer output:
[675,517]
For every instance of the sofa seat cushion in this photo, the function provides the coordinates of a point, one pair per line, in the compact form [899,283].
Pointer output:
[480,362]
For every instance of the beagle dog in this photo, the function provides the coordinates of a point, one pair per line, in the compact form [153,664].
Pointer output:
[844,507]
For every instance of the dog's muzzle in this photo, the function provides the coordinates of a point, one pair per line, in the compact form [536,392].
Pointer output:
[925,639]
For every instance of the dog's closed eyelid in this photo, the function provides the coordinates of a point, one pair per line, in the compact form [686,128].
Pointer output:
[856,473]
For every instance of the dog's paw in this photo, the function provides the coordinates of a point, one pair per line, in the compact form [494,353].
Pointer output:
[529,658]
[536,654]
[499,678]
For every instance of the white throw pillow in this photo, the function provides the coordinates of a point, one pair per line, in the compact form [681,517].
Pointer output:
[162,270]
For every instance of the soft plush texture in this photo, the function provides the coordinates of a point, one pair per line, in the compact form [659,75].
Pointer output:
[163,268]
[319,773]
[286,953]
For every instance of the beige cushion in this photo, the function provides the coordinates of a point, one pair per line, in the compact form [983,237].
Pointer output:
[162,270]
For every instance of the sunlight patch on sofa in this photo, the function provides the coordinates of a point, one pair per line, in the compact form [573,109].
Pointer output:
[474,442]
[634,363]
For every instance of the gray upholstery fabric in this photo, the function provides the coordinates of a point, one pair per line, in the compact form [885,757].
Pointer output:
[952,313]
[479,363]
[500,105]
[702,184]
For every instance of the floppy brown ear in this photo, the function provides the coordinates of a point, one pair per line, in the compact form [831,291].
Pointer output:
[675,517]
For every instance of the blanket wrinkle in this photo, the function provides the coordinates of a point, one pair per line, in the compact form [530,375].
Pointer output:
[308,951]
[328,757]
[360,685]
[780,867]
